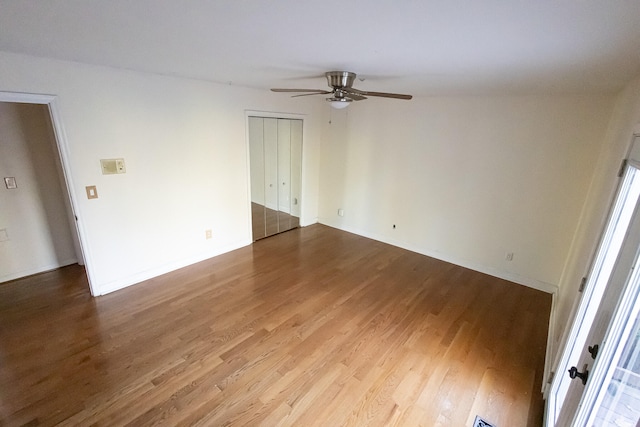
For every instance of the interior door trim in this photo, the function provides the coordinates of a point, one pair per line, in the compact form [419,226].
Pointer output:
[62,146]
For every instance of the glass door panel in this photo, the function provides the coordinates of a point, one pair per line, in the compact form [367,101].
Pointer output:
[620,405]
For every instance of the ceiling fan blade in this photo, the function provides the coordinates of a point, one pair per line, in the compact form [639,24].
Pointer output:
[300,90]
[381,94]
[324,92]
[354,96]
[389,95]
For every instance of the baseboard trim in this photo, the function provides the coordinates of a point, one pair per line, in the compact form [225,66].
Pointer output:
[37,270]
[167,268]
[515,278]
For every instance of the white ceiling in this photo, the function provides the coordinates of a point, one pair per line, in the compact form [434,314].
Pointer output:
[427,47]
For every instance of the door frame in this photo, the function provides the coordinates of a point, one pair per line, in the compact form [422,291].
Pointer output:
[62,147]
[615,338]
[585,306]
[303,193]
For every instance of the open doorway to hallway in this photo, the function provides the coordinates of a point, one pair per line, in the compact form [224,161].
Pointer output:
[37,223]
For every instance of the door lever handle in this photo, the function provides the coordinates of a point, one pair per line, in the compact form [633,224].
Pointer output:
[573,373]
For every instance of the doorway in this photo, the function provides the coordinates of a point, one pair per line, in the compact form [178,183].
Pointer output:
[55,233]
[275,160]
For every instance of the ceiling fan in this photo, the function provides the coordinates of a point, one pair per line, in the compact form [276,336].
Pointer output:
[342,92]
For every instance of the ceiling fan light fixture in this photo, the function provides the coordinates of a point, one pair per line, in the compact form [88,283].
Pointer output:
[339,103]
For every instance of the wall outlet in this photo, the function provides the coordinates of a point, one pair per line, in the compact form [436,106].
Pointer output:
[208,234]
[340,212]
[4,236]
[509,256]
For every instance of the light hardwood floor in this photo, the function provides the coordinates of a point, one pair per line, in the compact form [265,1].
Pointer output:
[312,327]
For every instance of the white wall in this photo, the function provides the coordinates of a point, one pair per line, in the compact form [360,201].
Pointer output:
[256,159]
[467,179]
[185,148]
[34,214]
[463,179]
[617,142]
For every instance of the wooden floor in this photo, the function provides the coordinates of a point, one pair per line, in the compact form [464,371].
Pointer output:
[312,327]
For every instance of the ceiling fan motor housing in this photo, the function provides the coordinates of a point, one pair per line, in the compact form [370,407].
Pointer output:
[339,79]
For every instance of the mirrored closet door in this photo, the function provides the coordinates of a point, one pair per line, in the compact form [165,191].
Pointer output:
[275,155]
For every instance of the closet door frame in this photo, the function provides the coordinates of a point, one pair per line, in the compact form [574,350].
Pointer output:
[275,115]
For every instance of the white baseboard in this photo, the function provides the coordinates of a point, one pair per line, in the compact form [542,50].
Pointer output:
[305,223]
[167,268]
[36,270]
[516,278]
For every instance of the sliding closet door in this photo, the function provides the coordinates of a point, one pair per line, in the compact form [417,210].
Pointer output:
[276,156]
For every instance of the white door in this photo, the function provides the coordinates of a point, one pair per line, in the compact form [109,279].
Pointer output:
[578,384]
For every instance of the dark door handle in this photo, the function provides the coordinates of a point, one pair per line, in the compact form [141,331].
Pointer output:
[573,373]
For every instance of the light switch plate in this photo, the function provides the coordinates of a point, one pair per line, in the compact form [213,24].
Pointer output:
[92,192]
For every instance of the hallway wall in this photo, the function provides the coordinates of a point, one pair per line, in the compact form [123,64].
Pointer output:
[37,233]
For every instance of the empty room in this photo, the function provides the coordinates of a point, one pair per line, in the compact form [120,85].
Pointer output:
[320,213]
